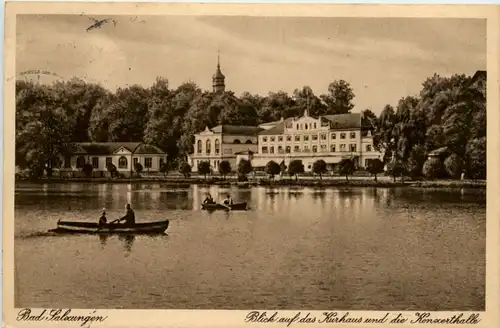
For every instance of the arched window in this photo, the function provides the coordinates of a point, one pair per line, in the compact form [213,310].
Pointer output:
[306,126]
[80,162]
[236,141]
[198,146]
[315,125]
[249,142]
[122,162]
[217,146]
[297,126]
[208,147]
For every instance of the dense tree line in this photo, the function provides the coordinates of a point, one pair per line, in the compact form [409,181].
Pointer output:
[448,115]
[449,112]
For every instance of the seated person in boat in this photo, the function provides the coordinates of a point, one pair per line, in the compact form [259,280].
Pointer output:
[102,219]
[129,218]
[209,200]
[228,201]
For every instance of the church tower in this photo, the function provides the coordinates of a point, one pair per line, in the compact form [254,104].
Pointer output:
[218,78]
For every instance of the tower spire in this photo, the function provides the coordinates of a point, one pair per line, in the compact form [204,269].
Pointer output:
[218,78]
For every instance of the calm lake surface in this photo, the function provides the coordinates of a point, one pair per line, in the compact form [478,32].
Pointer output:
[363,248]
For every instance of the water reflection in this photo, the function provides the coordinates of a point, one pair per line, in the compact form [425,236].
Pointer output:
[128,242]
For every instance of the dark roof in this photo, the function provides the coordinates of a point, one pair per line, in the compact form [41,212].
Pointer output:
[105,148]
[218,74]
[479,74]
[278,128]
[271,123]
[338,121]
[345,121]
[148,149]
[237,130]
[245,152]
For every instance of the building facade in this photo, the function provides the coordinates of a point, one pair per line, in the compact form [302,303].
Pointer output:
[223,142]
[124,155]
[330,138]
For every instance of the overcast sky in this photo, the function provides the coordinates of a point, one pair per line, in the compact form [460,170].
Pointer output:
[383,59]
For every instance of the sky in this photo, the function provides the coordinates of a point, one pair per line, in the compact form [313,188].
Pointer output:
[383,59]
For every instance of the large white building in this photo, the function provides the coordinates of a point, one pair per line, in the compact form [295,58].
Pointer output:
[330,138]
[223,142]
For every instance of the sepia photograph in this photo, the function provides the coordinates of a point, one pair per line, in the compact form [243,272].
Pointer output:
[242,162]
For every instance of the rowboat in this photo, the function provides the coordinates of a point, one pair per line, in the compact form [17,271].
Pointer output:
[93,228]
[233,207]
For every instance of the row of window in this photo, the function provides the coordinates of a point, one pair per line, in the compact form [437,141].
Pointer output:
[322,136]
[308,126]
[323,148]
[122,162]
[208,145]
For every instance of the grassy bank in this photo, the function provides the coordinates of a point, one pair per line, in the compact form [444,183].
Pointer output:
[383,182]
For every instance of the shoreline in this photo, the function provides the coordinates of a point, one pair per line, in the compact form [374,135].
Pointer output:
[383,182]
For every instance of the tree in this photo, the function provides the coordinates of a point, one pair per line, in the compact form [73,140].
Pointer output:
[416,161]
[453,165]
[204,168]
[272,168]
[319,167]
[433,168]
[87,169]
[346,167]
[383,139]
[368,120]
[276,106]
[113,172]
[224,168]
[375,166]
[244,167]
[123,117]
[138,168]
[282,167]
[396,168]
[185,169]
[295,168]
[43,135]
[79,100]
[164,168]
[476,158]
[306,99]
[339,98]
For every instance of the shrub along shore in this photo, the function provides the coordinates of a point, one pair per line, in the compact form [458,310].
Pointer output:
[382,182]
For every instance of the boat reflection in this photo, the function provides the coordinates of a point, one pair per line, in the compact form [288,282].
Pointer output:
[128,241]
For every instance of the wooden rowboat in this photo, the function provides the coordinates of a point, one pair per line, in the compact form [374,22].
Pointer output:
[234,207]
[93,228]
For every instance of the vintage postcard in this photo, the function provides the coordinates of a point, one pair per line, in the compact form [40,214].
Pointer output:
[237,165]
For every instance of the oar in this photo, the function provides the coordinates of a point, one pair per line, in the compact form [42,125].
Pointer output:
[108,223]
[229,208]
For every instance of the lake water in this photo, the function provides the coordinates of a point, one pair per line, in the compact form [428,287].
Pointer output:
[363,248]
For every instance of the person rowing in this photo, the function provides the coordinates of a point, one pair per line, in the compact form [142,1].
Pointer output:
[102,219]
[129,217]
[209,200]
[228,201]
